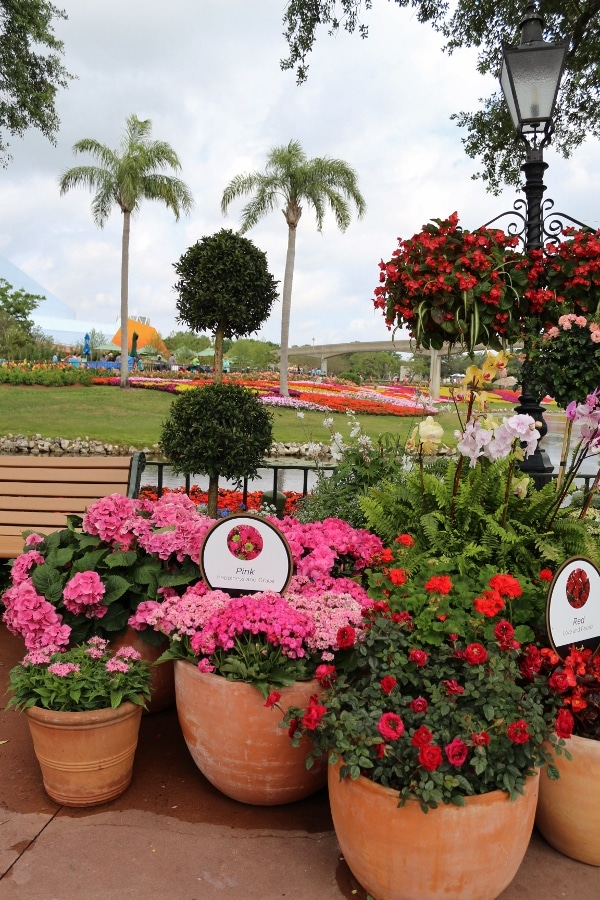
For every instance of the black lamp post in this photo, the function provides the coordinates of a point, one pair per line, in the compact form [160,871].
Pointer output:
[530,79]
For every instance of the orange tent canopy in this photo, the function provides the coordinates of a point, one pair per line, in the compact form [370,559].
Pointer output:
[146,335]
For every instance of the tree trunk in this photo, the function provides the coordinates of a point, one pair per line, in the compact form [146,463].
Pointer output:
[124,297]
[213,494]
[218,376]
[286,304]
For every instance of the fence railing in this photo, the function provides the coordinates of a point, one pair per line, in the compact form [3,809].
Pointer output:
[160,466]
[276,468]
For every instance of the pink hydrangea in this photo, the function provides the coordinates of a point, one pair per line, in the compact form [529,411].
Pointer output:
[33,618]
[83,593]
[23,564]
[111,519]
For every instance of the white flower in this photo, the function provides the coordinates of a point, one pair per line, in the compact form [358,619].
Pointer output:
[300,414]
[327,423]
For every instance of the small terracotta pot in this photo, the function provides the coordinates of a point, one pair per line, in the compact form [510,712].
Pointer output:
[236,741]
[568,813]
[162,684]
[86,758]
[467,852]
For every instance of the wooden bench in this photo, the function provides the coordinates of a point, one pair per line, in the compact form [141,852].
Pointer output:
[38,493]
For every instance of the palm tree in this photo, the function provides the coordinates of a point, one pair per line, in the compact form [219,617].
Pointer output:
[125,177]
[291,179]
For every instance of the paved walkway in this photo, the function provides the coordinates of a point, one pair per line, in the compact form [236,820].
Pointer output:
[172,835]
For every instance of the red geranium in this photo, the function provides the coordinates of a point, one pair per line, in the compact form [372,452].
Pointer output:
[453,687]
[439,584]
[506,585]
[405,539]
[489,604]
[398,576]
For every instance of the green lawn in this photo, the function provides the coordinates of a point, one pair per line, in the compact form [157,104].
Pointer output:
[135,417]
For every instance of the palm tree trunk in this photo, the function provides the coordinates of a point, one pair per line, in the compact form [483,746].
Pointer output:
[286,305]
[125,297]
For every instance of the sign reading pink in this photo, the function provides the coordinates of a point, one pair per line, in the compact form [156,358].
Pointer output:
[573,606]
[246,553]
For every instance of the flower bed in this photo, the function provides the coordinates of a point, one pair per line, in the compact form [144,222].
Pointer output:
[228,500]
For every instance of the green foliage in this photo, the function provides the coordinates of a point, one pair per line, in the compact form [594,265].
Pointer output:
[350,376]
[364,464]
[31,69]
[224,283]
[566,367]
[188,340]
[89,685]
[472,517]
[46,375]
[470,701]
[218,430]
[250,354]
[471,23]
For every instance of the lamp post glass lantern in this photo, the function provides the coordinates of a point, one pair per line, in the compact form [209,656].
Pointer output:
[530,79]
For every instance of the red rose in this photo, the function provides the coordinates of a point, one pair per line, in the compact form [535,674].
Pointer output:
[419,705]
[325,675]
[398,576]
[294,726]
[419,657]
[273,698]
[517,732]
[564,723]
[405,539]
[480,740]
[475,653]
[314,713]
[506,585]
[380,750]
[421,737]
[546,575]
[430,757]
[439,584]
[388,683]
[346,637]
[453,687]
[390,726]
[456,752]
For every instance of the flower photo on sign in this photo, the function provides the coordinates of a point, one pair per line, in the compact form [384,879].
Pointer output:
[244,542]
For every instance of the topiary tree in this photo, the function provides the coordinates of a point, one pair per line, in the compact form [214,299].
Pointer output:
[224,287]
[221,429]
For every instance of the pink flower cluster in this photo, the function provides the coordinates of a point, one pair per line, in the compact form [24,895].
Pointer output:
[177,616]
[266,614]
[83,594]
[319,547]
[171,525]
[31,616]
[566,323]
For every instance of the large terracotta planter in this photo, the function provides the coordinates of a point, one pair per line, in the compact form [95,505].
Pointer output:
[455,853]
[568,812]
[86,758]
[162,684]
[236,741]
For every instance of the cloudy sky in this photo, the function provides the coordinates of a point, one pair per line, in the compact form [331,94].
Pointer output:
[207,74]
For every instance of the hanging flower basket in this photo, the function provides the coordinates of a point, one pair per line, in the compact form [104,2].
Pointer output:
[449,285]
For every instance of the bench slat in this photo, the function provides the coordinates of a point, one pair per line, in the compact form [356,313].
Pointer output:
[37,494]
[93,490]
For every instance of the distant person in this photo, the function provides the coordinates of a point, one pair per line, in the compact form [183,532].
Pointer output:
[55,359]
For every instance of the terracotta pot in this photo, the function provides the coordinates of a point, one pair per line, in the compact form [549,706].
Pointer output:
[236,742]
[162,685]
[86,757]
[568,812]
[451,852]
